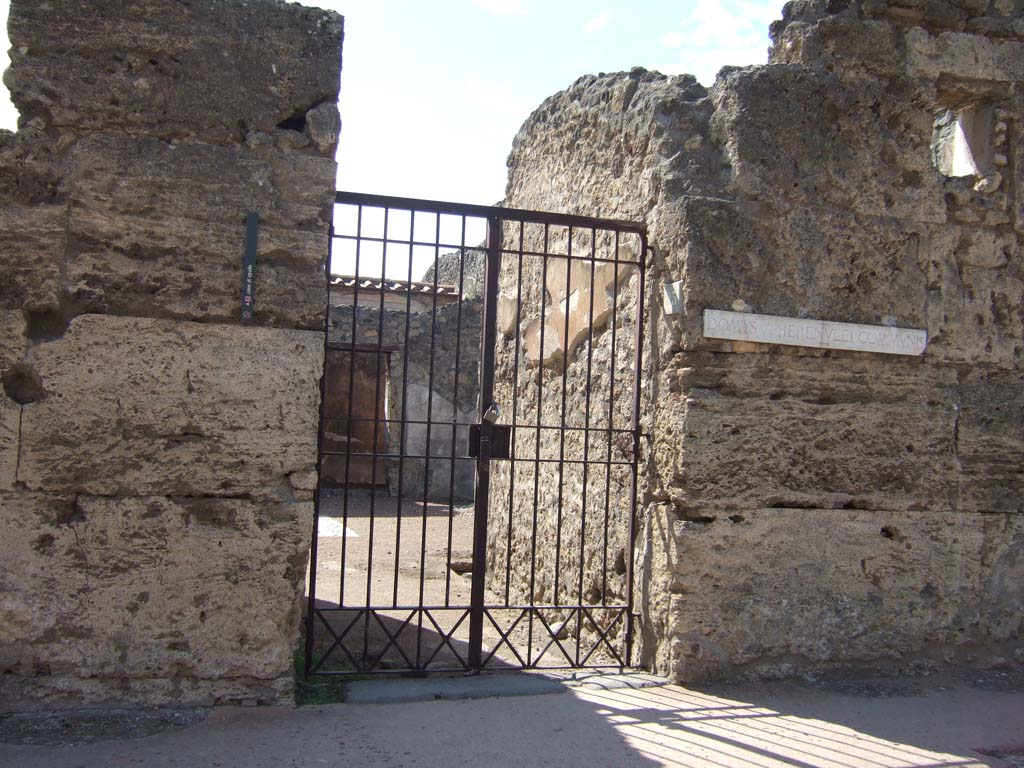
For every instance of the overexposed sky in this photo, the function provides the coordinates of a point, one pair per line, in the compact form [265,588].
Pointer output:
[433,92]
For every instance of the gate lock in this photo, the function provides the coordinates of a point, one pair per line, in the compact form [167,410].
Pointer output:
[496,446]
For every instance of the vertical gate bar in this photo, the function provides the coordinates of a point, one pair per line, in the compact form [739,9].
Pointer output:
[376,435]
[512,421]
[540,421]
[351,387]
[426,447]
[586,442]
[637,369]
[561,423]
[483,470]
[311,601]
[611,424]
[405,387]
[455,415]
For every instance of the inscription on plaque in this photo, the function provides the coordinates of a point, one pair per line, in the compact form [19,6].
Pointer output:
[819,334]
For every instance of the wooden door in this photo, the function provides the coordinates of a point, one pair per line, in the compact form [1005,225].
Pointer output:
[355,430]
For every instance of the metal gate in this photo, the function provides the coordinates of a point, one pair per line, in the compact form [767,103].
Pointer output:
[477,494]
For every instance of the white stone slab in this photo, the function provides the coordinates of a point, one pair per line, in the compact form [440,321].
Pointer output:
[329,528]
[819,334]
[672,298]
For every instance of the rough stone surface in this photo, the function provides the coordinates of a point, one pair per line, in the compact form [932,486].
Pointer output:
[852,434]
[140,407]
[31,241]
[158,458]
[206,70]
[158,230]
[846,575]
[803,508]
[12,350]
[137,598]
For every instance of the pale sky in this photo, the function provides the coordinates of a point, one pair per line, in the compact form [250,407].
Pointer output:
[432,93]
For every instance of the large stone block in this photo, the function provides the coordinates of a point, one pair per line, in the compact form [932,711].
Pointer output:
[793,262]
[789,431]
[826,586]
[1013,146]
[848,46]
[32,167]
[12,349]
[990,441]
[975,296]
[149,599]
[13,342]
[31,252]
[159,230]
[208,69]
[963,56]
[801,134]
[138,407]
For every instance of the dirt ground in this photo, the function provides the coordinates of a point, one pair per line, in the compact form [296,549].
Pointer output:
[967,721]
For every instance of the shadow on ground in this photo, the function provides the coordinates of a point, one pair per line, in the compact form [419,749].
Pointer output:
[929,723]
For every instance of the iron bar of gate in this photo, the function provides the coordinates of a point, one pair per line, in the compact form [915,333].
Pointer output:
[536,466]
[478,609]
[403,420]
[381,455]
[515,403]
[426,446]
[456,246]
[311,602]
[455,414]
[487,212]
[354,345]
[611,424]
[586,444]
[447,423]
[638,369]
[483,469]
[561,433]
[373,444]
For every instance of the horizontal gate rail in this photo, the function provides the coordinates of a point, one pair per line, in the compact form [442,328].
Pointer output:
[487,211]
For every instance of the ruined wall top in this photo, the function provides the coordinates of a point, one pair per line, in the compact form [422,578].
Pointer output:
[975,39]
[147,132]
[997,19]
[208,70]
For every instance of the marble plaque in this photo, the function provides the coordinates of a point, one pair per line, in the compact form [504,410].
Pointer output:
[820,334]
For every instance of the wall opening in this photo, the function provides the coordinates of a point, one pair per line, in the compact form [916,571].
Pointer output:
[962,142]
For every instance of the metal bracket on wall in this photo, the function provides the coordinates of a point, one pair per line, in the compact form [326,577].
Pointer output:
[252,226]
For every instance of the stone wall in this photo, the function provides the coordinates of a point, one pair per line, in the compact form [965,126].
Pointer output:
[157,458]
[423,384]
[809,509]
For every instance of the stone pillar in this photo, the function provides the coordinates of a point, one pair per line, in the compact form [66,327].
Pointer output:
[809,509]
[157,456]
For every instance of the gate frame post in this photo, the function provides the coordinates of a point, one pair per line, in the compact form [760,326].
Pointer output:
[638,364]
[488,340]
[313,545]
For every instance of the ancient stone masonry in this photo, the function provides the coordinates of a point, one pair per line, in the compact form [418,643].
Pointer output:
[157,458]
[807,509]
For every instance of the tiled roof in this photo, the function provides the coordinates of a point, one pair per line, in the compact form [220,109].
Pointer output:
[392,286]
